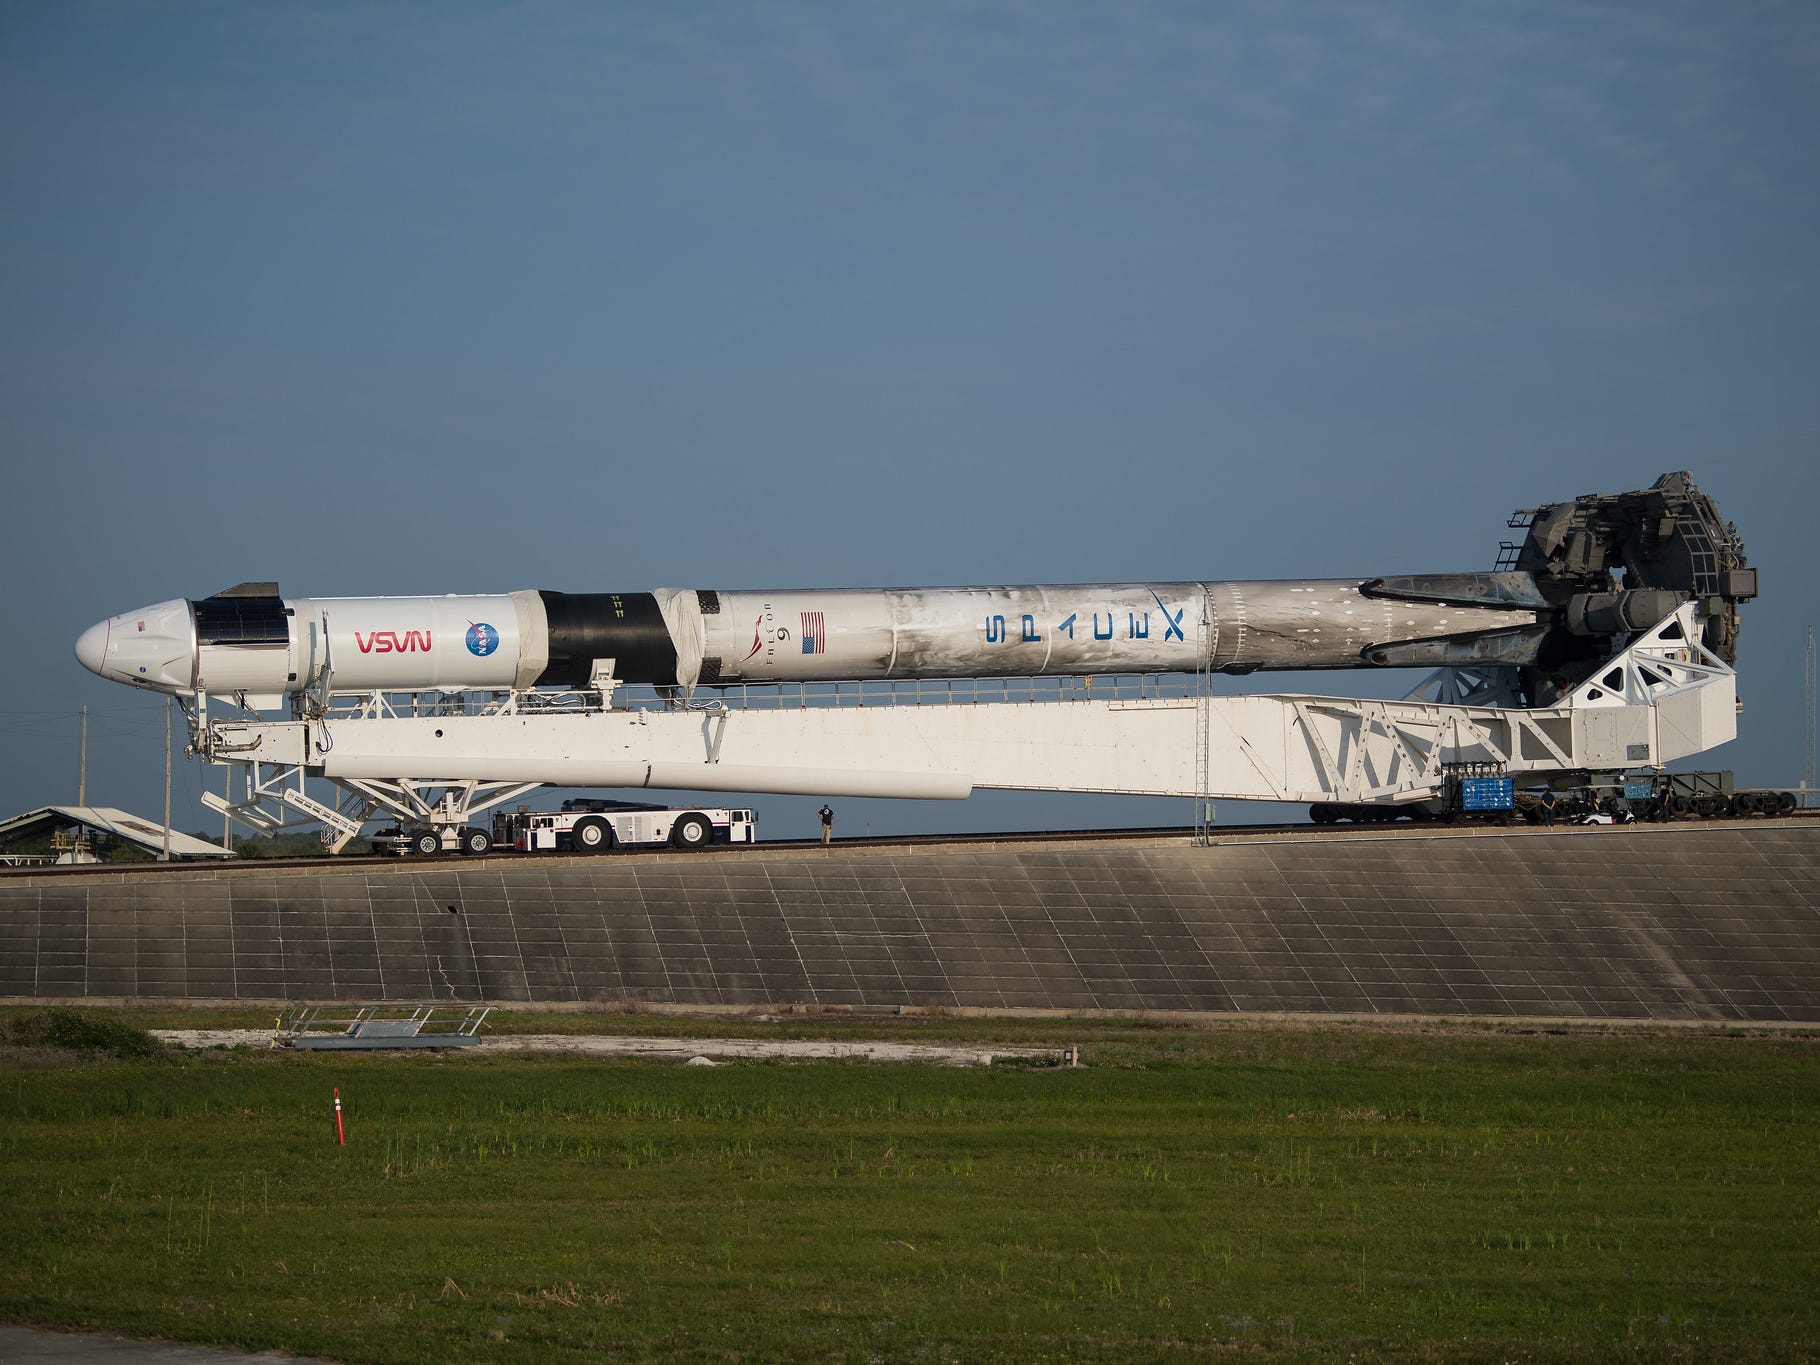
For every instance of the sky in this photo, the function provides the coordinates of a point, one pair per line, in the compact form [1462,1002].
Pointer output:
[458,297]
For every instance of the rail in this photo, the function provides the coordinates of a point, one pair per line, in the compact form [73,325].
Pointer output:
[946,691]
[757,696]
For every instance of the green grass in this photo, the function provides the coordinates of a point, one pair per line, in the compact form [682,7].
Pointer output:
[1268,1194]
[71,1030]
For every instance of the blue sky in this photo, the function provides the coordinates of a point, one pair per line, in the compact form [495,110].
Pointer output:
[456,297]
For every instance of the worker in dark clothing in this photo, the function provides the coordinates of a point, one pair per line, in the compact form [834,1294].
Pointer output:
[827,815]
[1548,808]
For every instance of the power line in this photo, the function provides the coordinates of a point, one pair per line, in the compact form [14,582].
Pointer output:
[65,711]
[63,724]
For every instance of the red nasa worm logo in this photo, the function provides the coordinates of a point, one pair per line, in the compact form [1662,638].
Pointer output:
[391,642]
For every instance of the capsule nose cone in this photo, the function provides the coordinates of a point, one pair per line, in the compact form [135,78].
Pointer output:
[91,647]
[153,647]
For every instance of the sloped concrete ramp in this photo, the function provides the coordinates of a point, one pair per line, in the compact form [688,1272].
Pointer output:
[1676,923]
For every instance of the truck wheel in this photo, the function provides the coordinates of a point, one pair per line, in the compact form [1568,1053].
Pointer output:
[475,842]
[692,831]
[592,835]
[426,842]
[1786,803]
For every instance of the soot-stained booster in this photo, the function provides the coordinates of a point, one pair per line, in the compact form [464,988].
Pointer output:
[1591,572]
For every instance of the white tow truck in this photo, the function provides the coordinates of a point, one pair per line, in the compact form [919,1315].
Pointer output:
[583,825]
[588,825]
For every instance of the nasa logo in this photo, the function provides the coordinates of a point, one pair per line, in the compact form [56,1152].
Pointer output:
[482,639]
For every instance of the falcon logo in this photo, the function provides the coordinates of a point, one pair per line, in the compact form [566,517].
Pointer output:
[767,635]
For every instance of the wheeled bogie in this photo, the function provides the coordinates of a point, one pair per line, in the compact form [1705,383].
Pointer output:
[587,825]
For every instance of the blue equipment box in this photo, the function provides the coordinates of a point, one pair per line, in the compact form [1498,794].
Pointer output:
[1487,793]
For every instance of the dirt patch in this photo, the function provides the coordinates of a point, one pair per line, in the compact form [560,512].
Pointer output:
[685,1049]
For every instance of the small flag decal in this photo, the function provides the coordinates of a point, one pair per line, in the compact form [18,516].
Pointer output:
[814,633]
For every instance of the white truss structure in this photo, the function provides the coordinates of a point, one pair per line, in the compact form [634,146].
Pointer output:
[427,760]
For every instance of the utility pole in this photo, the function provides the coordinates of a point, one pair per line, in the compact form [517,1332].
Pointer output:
[167,780]
[82,760]
[1807,768]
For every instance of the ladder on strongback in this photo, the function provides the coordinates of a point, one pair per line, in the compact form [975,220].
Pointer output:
[1203,725]
[356,1027]
[1701,555]
[1509,552]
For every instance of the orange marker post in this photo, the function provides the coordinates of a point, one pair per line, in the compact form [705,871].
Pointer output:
[340,1133]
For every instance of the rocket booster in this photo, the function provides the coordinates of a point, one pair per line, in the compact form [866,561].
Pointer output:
[250,640]
[1588,574]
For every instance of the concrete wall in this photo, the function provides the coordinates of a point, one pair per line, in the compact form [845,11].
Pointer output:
[1682,922]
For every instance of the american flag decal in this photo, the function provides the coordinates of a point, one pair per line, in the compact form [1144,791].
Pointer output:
[814,633]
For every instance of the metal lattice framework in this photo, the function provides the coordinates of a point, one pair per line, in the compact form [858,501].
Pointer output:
[1663,697]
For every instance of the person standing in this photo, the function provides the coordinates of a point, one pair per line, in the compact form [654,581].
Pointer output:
[1548,808]
[827,815]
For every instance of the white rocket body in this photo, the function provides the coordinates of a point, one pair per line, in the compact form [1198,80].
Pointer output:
[367,644]
[1076,629]
[251,642]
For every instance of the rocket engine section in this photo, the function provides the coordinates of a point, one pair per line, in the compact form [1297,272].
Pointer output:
[1609,559]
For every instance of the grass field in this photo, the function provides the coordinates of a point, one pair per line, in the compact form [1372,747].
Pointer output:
[1264,1193]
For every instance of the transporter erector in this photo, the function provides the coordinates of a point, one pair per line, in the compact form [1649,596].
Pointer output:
[1592,578]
